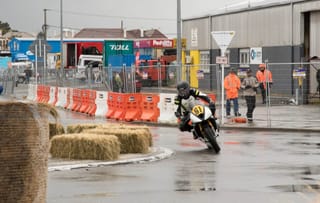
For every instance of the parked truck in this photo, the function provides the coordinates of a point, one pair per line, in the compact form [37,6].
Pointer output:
[73,50]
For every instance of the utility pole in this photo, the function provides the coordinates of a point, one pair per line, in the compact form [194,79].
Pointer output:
[179,49]
[61,46]
[44,28]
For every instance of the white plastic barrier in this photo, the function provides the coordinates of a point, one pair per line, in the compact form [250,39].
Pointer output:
[32,92]
[101,102]
[167,109]
[52,96]
[62,97]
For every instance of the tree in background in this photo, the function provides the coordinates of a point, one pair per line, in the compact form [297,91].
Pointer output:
[5,27]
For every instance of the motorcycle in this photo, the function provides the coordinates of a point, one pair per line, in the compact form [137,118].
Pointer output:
[201,123]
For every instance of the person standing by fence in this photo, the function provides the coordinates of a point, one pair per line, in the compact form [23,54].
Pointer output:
[232,85]
[264,77]
[250,85]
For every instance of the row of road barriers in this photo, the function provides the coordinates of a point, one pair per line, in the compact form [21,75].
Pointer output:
[146,107]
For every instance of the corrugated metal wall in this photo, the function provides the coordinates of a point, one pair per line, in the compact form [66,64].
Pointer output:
[197,34]
[256,28]
[314,46]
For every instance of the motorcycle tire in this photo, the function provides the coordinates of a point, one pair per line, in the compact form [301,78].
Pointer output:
[209,133]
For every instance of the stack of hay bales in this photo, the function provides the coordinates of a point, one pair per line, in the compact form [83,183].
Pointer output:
[131,140]
[101,141]
[78,128]
[84,146]
[55,129]
[131,127]
[24,147]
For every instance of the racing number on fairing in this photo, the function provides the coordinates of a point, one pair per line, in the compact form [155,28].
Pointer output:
[197,110]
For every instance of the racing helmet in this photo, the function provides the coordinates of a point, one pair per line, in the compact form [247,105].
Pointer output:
[183,88]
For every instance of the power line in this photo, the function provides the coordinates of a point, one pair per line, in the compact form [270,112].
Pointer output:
[110,16]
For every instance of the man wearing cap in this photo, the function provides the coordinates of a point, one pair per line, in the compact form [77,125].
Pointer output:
[264,77]
[232,86]
[250,85]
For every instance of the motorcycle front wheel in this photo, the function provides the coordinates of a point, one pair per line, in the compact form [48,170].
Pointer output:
[210,135]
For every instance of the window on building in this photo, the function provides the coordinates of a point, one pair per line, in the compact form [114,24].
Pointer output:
[244,56]
[205,61]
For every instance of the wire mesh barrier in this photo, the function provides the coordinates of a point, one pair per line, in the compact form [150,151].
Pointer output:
[291,85]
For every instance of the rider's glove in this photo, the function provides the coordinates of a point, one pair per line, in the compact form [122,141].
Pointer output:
[176,101]
[177,114]
[212,107]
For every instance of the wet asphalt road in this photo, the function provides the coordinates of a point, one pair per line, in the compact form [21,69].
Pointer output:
[253,166]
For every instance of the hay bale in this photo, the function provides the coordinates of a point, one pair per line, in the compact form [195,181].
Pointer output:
[78,128]
[130,127]
[55,129]
[24,144]
[131,141]
[84,146]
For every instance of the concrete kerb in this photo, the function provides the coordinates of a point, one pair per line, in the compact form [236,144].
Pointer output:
[156,154]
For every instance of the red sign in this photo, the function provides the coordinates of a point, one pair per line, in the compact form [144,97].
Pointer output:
[166,43]
[156,43]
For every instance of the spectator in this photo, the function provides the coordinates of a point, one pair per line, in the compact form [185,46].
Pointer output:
[117,83]
[264,77]
[250,84]
[232,85]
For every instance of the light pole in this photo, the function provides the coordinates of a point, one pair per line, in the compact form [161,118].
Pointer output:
[178,41]
[61,46]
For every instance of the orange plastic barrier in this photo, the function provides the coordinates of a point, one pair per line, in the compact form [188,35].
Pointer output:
[92,103]
[46,97]
[133,108]
[149,106]
[111,101]
[120,106]
[84,101]
[76,96]
[40,92]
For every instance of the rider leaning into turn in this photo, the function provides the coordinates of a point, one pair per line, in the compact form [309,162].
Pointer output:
[184,93]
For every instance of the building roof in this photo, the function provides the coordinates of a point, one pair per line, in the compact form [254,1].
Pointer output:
[246,5]
[114,33]
[12,34]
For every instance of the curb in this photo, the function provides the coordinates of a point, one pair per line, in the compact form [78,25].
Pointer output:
[158,153]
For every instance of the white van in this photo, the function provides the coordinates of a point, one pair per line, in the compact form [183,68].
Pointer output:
[84,60]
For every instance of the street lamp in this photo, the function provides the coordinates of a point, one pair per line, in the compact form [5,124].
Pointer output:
[178,47]
[61,46]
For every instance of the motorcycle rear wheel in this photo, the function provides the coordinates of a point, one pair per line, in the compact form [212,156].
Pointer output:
[210,135]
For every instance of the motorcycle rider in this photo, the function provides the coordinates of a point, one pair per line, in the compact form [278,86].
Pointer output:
[184,94]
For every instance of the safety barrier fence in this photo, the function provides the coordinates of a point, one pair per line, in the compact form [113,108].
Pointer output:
[127,107]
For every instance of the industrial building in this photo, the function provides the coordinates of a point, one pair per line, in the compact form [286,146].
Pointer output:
[279,31]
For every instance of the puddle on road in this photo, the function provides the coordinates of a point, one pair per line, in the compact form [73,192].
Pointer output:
[297,188]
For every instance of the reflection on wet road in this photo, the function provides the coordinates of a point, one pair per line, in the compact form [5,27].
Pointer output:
[253,166]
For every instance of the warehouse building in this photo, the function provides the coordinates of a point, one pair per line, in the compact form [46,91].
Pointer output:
[265,31]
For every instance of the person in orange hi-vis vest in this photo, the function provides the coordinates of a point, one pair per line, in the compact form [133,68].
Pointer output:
[232,85]
[264,77]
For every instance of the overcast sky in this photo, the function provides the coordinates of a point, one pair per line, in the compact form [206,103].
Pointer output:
[28,15]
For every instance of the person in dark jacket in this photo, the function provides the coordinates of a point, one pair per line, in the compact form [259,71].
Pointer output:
[250,84]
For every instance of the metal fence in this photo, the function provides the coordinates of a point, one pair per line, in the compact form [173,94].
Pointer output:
[293,84]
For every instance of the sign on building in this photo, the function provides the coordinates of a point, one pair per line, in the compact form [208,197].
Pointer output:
[255,55]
